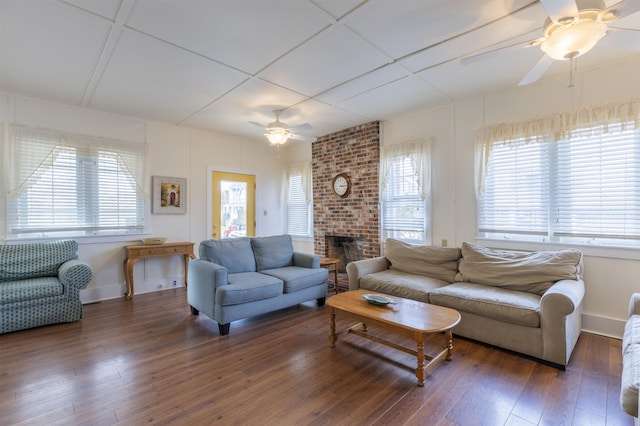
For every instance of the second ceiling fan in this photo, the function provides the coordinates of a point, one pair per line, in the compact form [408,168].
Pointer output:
[572,29]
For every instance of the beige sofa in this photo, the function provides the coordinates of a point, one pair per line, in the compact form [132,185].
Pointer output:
[631,360]
[528,302]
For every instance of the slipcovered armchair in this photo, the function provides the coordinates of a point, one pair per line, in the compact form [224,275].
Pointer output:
[40,284]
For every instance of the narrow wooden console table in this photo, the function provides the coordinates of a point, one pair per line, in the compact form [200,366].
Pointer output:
[142,251]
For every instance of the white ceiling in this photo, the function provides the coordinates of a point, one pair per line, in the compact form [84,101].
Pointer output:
[216,65]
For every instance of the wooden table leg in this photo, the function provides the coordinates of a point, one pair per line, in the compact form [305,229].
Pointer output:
[128,276]
[448,335]
[332,327]
[420,358]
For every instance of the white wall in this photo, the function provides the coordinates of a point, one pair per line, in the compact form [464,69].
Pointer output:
[173,151]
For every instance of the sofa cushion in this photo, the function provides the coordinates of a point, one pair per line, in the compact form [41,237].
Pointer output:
[401,284]
[515,307]
[35,260]
[296,278]
[430,261]
[533,272]
[246,287]
[235,254]
[29,289]
[272,252]
[630,380]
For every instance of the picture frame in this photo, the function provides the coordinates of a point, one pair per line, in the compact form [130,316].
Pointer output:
[169,195]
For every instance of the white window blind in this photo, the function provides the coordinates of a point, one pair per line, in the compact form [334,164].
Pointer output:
[298,199]
[405,192]
[69,185]
[598,187]
[516,197]
[583,189]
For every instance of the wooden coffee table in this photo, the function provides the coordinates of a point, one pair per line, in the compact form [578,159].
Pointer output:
[408,317]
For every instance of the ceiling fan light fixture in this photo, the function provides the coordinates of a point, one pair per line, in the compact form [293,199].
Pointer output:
[573,40]
[569,41]
[278,135]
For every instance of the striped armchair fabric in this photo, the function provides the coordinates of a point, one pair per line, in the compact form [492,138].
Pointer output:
[40,284]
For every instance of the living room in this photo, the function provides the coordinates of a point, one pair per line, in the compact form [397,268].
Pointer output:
[192,153]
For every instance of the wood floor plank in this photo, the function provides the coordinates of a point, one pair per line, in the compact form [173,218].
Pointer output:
[148,360]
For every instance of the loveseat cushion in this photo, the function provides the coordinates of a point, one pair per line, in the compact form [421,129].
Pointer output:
[235,254]
[532,272]
[35,260]
[272,252]
[401,284]
[430,261]
[246,287]
[515,307]
[630,380]
[29,289]
[296,278]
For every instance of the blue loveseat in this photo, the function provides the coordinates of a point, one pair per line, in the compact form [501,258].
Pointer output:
[242,277]
[40,284]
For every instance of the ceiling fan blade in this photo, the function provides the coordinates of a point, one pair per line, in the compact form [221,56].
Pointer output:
[620,38]
[301,127]
[309,139]
[625,8]
[558,9]
[536,72]
[490,53]
[262,126]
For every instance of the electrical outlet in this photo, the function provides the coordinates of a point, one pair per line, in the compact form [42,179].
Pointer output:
[175,283]
[445,243]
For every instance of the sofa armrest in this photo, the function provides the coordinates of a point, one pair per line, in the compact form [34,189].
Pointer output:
[562,298]
[360,268]
[561,319]
[306,260]
[634,304]
[207,274]
[75,273]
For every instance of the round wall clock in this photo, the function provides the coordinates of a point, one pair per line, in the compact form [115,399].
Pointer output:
[342,185]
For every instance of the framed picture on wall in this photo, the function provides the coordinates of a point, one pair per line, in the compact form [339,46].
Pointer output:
[169,195]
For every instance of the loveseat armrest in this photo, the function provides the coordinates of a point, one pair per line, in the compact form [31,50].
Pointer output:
[634,304]
[207,274]
[306,260]
[360,268]
[75,273]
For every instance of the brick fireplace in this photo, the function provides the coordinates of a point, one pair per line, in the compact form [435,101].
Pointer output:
[350,222]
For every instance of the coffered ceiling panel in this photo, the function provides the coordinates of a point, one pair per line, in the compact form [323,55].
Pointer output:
[168,85]
[329,59]
[401,96]
[40,56]
[245,35]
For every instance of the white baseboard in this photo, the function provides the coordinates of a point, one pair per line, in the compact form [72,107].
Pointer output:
[604,326]
[96,294]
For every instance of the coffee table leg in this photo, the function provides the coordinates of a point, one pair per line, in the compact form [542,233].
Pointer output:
[448,335]
[420,357]
[332,327]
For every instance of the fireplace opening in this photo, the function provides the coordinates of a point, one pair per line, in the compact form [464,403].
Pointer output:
[347,249]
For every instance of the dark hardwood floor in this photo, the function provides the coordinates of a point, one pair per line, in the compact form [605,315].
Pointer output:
[148,360]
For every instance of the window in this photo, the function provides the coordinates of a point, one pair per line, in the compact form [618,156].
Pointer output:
[405,192]
[581,187]
[64,185]
[298,199]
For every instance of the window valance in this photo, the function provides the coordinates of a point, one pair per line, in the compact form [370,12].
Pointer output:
[595,121]
[419,153]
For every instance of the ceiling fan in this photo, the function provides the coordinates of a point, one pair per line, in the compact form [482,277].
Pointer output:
[572,29]
[279,132]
